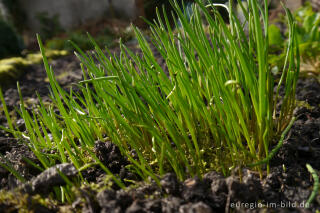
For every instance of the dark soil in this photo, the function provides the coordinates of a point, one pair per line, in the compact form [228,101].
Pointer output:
[288,183]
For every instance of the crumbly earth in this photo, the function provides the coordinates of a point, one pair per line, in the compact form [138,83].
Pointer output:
[287,184]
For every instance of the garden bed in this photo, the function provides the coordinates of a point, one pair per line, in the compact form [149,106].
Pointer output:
[105,135]
[288,183]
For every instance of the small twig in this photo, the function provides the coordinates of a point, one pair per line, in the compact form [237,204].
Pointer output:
[315,186]
[276,149]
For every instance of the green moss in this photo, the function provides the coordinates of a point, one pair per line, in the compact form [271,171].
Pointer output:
[15,201]
[105,39]
[36,58]
[304,104]
[12,68]
[275,37]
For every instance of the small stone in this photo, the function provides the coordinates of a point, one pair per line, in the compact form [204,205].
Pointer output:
[199,207]
[249,191]
[136,207]
[170,184]
[153,206]
[195,190]
[124,199]
[145,190]
[105,196]
[171,204]
[212,176]
[110,155]
[50,178]
[111,206]
[219,186]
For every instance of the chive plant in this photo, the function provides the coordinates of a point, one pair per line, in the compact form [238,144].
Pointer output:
[215,109]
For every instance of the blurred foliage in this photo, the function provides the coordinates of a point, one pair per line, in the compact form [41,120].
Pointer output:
[80,39]
[309,40]
[14,67]
[275,37]
[105,38]
[10,44]
[17,15]
[57,39]
[276,41]
[308,33]
[49,26]
[151,5]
